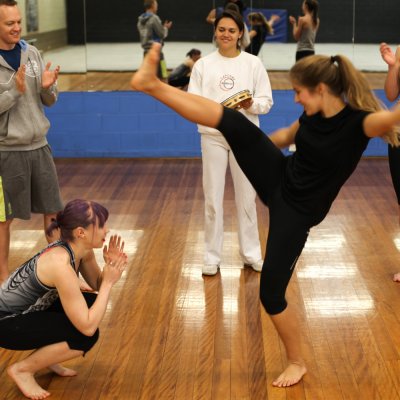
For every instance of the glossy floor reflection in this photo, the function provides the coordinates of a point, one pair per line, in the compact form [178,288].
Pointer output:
[170,333]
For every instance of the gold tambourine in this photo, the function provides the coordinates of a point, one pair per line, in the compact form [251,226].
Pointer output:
[235,100]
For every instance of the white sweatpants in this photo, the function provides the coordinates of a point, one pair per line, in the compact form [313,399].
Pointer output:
[216,155]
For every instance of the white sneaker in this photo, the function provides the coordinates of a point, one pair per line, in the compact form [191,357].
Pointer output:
[257,266]
[210,269]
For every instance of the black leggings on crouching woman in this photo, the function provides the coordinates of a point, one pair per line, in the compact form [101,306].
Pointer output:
[263,164]
[42,328]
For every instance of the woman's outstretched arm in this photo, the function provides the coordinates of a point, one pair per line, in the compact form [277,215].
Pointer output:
[190,106]
[381,122]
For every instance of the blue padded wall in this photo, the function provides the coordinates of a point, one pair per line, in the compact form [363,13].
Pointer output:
[132,124]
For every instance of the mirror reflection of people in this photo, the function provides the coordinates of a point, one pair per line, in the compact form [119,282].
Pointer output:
[41,304]
[28,177]
[218,76]
[305,28]
[180,76]
[392,91]
[341,114]
[215,12]
[260,28]
[151,30]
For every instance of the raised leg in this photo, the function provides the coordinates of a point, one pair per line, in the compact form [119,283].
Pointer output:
[192,107]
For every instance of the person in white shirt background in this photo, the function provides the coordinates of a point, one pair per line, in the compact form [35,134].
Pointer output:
[218,76]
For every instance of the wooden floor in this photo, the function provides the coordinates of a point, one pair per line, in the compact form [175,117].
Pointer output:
[105,81]
[170,333]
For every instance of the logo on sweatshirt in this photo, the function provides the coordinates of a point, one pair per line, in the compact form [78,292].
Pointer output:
[227,82]
[32,68]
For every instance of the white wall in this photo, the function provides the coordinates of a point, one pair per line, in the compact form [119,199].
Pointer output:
[52,15]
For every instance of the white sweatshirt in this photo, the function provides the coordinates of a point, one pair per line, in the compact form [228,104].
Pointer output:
[218,78]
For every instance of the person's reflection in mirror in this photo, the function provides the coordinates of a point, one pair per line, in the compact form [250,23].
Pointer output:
[260,28]
[305,28]
[180,76]
[392,91]
[151,30]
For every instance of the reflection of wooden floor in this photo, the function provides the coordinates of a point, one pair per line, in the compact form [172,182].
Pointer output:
[169,333]
[104,81]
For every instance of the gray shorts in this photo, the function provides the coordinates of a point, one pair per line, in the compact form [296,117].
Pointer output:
[28,183]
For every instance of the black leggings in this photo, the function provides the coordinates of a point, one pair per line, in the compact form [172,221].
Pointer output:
[304,53]
[394,164]
[42,328]
[263,164]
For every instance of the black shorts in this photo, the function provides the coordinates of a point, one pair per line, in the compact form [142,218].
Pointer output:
[42,328]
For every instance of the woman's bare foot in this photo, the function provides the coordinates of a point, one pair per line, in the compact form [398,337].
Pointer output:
[145,79]
[27,383]
[62,371]
[291,375]
[396,277]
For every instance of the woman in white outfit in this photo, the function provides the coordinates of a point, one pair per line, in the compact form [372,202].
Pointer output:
[218,76]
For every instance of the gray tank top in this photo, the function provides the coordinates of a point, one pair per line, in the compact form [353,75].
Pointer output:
[22,292]
[307,39]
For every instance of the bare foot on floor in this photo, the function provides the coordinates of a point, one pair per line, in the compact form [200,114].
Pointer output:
[396,277]
[27,383]
[291,375]
[62,371]
[145,79]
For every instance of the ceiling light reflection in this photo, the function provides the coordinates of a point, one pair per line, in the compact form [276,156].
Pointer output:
[341,270]
[326,242]
[23,239]
[332,307]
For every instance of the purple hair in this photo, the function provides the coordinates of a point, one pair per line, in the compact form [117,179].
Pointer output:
[78,213]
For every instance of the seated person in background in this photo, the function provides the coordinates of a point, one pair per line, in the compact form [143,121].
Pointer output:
[260,27]
[180,76]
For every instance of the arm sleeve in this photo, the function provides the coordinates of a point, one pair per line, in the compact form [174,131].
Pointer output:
[262,92]
[47,96]
[158,28]
[195,80]
[8,99]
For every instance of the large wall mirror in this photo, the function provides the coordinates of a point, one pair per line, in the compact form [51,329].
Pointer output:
[112,43]
[101,48]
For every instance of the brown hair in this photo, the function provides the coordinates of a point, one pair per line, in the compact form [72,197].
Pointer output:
[312,7]
[78,213]
[342,79]
[260,18]
[148,4]
[8,3]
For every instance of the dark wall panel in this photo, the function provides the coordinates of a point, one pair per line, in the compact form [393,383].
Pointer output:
[116,21]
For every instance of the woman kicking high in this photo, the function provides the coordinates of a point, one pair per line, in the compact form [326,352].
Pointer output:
[340,115]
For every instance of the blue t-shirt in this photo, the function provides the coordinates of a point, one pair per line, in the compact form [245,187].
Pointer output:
[13,57]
